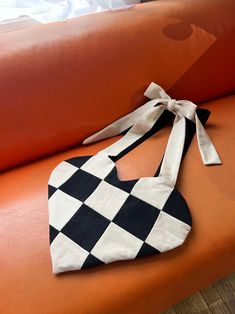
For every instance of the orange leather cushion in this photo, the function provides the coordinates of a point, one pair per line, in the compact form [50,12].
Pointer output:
[144,286]
[62,81]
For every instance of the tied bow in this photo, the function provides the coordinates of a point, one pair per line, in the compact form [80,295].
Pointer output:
[162,101]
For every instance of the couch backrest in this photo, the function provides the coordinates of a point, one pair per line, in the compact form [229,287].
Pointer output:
[61,82]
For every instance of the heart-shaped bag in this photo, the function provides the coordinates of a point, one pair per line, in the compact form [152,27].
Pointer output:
[96,218]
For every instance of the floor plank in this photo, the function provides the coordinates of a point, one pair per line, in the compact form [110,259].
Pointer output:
[219,298]
[210,295]
[227,294]
[231,280]
[169,311]
[218,307]
[194,304]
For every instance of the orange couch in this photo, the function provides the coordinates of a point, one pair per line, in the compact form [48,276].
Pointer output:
[63,81]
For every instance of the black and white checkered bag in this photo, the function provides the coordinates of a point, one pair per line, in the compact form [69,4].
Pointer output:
[97,218]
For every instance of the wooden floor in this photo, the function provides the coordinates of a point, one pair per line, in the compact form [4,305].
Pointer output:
[219,298]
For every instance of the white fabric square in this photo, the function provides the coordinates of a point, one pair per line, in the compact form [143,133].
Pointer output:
[98,165]
[61,208]
[116,244]
[107,199]
[61,174]
[152,190]
[167,233]
[66,254]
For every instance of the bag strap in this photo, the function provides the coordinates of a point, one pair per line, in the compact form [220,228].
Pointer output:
[137,131]
[190,131]
[143,119]
[174,151]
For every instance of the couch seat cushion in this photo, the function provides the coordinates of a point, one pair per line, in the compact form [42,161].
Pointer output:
[143,286]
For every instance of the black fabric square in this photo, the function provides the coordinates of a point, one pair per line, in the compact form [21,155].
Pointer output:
[113,179]
[86,227]
[53,233]
[177,207]
[137,217]
[78,161]
[147,249]
[80,185]
[91,261]
[51,190]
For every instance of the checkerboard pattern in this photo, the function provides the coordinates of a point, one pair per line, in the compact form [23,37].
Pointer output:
[95,218]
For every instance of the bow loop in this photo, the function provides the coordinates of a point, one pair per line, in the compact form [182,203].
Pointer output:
[186,109]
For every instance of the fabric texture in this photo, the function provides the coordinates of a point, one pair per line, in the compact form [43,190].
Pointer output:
[46,11]
[96,218]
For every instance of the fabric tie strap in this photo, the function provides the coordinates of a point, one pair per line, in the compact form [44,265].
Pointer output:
[162,101]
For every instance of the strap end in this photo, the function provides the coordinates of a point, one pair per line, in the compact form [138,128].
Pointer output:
[214,161]
[87,141]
